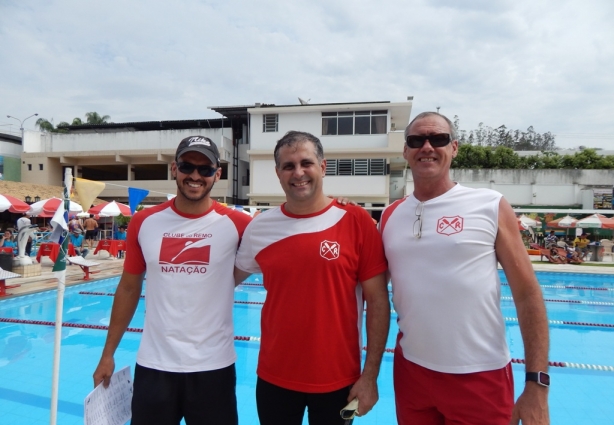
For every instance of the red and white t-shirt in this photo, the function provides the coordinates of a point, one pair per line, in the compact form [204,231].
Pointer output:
[312,317]
[189,291]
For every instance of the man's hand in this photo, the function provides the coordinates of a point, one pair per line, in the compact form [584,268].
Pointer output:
[365,390]
[104,371]
[532,406]
[343,200]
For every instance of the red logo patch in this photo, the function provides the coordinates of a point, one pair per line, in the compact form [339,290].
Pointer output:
[184,251]
[329,250]
[450,225]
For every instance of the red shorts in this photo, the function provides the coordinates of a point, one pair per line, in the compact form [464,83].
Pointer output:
[426,397]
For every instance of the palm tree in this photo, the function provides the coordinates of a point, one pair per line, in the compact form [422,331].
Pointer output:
[95,118]
[47,126]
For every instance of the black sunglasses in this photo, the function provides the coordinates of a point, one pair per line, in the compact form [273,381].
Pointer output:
[436,140]
[203,170]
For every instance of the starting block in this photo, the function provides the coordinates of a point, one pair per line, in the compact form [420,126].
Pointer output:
[5,274]
[85,265]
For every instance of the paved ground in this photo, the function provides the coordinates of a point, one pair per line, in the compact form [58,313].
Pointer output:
[108,267]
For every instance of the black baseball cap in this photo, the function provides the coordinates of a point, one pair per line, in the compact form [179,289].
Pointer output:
[199,144]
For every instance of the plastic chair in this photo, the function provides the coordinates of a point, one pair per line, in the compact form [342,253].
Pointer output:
[607,248]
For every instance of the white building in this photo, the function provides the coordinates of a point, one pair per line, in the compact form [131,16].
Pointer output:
[363,144]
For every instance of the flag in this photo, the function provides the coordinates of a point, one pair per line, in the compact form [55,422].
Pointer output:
[61,220]
[135,196]
[87,190]
[59,225]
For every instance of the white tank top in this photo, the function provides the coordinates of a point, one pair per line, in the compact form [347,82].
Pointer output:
[446,288]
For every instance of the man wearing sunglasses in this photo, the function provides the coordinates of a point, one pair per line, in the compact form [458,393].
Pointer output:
[443,242]
[185,363]
[320,261]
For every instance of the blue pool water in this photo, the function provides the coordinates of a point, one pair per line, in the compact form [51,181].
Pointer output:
[581,394]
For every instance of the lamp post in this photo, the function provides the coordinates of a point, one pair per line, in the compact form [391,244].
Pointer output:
[21,123]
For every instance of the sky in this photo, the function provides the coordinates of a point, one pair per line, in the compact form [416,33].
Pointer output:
[519,63]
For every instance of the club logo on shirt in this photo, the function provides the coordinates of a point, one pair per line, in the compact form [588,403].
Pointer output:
[450,225]
[184,254]
[329,250]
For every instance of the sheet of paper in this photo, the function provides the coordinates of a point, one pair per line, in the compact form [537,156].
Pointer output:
[110,406]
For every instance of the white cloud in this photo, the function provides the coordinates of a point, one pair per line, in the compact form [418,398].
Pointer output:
[518,63]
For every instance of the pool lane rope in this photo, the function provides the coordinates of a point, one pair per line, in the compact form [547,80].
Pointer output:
[507,319]
[601,303]
[257,339]
[590,288]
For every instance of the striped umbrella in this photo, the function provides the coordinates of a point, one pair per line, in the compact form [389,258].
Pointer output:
[13,204]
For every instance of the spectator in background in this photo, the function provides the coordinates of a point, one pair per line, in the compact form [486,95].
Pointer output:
[8,240]
[581,245]
[76,239]
[121,236]
[75,223]
[551,240]
[91,230]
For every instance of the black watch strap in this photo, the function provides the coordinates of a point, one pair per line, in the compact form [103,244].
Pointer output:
[542,378]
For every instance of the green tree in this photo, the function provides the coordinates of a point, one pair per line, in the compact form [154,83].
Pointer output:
[47,126]
[96,118]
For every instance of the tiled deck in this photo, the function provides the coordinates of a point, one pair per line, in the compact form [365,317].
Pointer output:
[74,275]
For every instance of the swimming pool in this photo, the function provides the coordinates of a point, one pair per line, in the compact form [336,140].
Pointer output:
[580,309]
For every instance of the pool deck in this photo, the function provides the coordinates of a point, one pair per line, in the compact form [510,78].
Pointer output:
[110,267]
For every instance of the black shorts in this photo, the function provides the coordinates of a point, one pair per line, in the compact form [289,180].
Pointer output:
[207,398]
[280,406]
[91,234]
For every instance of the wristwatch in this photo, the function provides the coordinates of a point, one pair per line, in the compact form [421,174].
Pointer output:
[542,378]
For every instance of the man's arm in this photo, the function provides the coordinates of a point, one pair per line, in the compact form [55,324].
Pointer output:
[375,293]
[532,405]
[240,276]
[126,299]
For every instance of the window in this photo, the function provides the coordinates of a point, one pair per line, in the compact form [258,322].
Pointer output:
[29,167]
[40,167]
[357,122]
[269,123]
[356,167]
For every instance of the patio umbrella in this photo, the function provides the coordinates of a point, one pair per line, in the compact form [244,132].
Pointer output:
[530,222]
[13,204]
[564,222]
[111,209]
[48,207]
[521,225]
[596,221]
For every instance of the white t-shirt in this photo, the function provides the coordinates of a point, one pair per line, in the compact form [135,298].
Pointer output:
[189,291]
[446,287]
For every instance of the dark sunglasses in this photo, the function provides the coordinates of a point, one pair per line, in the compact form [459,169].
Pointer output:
[436,140]
[203,170]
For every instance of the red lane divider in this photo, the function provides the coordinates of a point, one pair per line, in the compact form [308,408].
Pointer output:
[256,338]
[143,296]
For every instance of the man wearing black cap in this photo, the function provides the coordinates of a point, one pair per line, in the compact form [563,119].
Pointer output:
[187,246]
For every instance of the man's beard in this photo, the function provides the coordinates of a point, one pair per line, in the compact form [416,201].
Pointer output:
[198,198]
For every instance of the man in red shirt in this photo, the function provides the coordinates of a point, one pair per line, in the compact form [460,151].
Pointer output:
[320,261]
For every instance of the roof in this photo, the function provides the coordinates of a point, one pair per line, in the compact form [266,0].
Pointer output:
[10,138]
[20,190]
[155,125]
